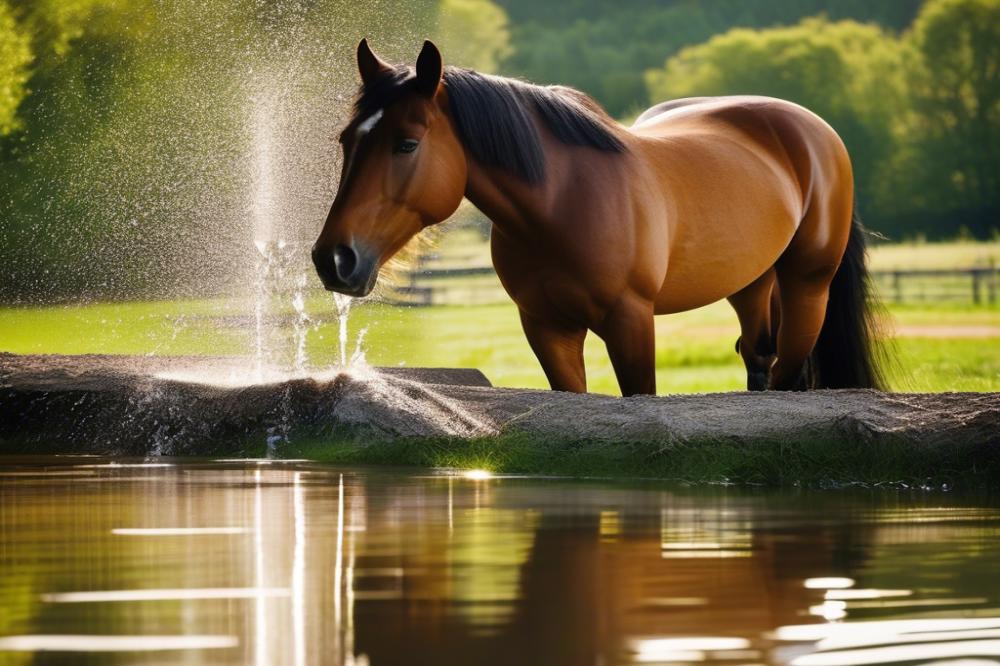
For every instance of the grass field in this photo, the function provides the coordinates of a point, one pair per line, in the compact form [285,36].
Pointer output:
[952,254]
[940,348]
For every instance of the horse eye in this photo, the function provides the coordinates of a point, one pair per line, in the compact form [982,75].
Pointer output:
[405,146]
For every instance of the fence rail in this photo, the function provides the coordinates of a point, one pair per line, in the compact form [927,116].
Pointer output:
[934,285]
[479,285]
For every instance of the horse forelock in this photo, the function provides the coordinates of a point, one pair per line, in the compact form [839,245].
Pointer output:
[383,92]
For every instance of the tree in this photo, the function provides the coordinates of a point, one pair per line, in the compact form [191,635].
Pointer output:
[951,139]
[15,57]
[846,72]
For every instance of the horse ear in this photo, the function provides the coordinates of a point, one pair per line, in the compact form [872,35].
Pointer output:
[429,69]
[370,65]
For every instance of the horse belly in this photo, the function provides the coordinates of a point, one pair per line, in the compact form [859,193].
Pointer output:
[718,257]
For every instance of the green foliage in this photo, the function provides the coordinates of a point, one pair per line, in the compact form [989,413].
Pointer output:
[948,165]
[894,14]
[604,49]
[15,57]
[846,72]
[473,34]
[135,136]
[805,462]
[56,24]
[78,47]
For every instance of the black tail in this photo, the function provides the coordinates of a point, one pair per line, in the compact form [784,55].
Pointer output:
[847,353]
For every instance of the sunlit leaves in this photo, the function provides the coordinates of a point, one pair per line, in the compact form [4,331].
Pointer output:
[954,77]
[15,58]
[473,34]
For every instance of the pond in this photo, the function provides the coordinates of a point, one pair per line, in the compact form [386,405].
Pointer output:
[290,562]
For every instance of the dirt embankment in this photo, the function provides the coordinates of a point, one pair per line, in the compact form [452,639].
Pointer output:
[144,406]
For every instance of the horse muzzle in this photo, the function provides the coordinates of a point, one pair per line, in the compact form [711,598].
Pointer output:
[346,269]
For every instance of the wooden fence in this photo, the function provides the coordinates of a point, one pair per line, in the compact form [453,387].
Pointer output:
[479,285]
[976,285]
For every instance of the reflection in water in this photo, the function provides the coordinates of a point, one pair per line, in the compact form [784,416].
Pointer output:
[177,531]
[165,595]
[829,583]
[238,562]
[55,643]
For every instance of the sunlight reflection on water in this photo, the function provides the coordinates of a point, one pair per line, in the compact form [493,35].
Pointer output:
[234,562]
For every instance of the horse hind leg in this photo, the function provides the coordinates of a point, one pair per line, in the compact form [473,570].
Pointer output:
[803,309]
[804,273]
[753,305]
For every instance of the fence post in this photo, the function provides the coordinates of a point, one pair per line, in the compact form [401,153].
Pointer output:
[991,284]
[976,296]
[897,286]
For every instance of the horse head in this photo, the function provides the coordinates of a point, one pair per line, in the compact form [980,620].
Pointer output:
[404,169]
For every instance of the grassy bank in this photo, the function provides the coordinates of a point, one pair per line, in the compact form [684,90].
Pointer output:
[804,462]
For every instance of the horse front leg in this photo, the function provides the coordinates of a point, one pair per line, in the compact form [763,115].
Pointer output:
[559,348]
[628,332]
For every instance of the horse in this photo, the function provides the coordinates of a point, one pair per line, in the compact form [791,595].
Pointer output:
[599,227]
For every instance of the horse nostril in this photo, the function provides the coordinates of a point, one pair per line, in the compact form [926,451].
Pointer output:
[345,261]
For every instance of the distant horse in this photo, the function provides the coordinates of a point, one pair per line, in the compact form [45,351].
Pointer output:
[598,227]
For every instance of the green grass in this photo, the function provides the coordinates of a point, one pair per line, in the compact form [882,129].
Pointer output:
[159,327]
[694,349]
[809,462]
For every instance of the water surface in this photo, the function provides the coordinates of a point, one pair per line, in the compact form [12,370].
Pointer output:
[263,562]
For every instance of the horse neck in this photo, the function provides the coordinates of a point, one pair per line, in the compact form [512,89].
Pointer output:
[514,205]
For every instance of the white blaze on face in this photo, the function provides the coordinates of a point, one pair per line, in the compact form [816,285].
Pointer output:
[368,123]
[364,127]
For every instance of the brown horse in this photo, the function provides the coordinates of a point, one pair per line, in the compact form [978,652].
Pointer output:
[598,227]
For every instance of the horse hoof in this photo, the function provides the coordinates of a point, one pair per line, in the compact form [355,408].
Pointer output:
[757,381]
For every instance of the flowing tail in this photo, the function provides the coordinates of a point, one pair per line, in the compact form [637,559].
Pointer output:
[847,353]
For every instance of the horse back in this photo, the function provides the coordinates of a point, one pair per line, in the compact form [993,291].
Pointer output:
[738,175]
[788,131]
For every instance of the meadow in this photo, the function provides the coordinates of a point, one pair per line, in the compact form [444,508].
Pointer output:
[935,346]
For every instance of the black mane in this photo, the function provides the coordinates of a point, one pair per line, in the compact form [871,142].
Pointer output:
[493,117]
